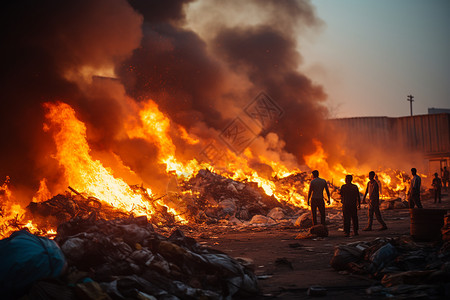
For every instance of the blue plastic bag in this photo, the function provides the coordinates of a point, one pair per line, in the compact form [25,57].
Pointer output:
[26,258]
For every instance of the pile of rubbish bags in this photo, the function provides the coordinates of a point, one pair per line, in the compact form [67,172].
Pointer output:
[404,268]
[127,259]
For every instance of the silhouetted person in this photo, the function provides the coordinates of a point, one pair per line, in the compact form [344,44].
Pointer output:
[315,193]
[414,190]
[380,188]
[437,185]
[374,202]
[351,200]
[445,177]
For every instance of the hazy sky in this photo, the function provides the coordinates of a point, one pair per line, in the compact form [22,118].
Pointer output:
[369,55]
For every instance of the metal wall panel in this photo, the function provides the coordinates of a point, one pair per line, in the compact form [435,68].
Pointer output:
[429,134]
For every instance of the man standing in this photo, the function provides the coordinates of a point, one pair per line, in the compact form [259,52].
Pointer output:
[414,190]
[374,202]
[315,193]
[350,199]
[445,177]
[437,185]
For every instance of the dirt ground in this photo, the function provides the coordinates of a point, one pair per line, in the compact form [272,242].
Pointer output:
[287,267]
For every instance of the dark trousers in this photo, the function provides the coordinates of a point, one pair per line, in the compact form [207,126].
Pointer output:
[437,195]
[350,215]
[374,207]
[318,204]
[414,200]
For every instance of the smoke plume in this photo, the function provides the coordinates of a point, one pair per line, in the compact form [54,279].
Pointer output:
[201,71]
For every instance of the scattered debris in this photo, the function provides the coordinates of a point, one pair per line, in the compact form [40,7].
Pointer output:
[316,291]
[402,266]
[283,262]
[313,232]
[127,257]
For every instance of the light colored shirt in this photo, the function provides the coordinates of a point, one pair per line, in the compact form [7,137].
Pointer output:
[316,188]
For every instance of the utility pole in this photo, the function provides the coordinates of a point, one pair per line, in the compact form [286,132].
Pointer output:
[410,99]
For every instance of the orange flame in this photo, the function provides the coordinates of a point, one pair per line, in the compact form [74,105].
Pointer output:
[81,171]
[43,193]
[155,127]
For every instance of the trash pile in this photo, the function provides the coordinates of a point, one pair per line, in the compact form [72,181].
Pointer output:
[404,268]
[216,198]
[207,198]
[120,259]
[130,260]
[64,207]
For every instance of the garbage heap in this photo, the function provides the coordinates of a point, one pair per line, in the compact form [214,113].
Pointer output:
[216,198]
[64,207]
[403,268]
[129,260]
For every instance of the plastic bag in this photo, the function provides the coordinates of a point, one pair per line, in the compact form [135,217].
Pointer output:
[26,258]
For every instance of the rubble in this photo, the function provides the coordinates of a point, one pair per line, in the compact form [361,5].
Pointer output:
[402,267]
[262,220]
[220,197]
[313,232]
[65,207]
[304,220]
[129,260]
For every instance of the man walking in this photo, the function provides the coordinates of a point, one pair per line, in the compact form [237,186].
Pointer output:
[374,202]
[414,190]
[315,193]
[350,199]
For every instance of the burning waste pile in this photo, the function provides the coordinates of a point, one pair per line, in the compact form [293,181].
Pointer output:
[232,202]
[403,268]
[65,207]
[128,259]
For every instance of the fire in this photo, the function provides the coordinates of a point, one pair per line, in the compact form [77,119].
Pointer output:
[81,171]
[11,213]
[392,182]
[89,177]
[43,193]
[154,126]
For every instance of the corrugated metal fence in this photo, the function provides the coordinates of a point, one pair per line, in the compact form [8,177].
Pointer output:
[429,134]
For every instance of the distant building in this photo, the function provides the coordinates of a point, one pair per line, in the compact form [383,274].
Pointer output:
[426,134]
[433,111]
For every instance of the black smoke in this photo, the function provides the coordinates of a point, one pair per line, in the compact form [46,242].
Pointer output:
[199,81]
[185,73]
[44,44]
